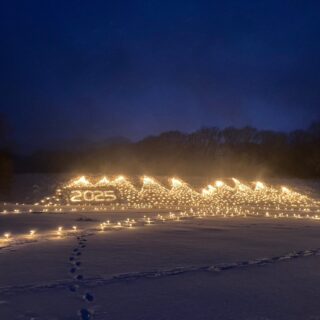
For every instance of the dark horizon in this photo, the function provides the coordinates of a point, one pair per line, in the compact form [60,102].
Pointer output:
[81,143]
[101,69]
[245,152]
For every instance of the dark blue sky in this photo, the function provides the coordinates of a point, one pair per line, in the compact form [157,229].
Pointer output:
[107,68]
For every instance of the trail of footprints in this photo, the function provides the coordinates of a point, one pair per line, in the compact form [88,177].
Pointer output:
[75,271]
[77,280]
[220,267]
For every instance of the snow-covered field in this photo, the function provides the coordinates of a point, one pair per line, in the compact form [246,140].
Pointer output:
[141,266]
[197,268]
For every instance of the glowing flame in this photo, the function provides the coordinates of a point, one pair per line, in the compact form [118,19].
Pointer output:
[236,181]
[103,181]
[7,235]
[176,183]
[59,231]
[219,184]
[285,190]
[147,180]
[240,185]
[119,179]
[259,185]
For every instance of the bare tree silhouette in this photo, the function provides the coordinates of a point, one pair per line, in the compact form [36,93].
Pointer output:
[246,152]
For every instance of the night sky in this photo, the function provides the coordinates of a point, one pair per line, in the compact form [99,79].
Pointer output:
[97,69]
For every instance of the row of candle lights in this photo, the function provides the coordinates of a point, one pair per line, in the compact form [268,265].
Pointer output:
[129,222]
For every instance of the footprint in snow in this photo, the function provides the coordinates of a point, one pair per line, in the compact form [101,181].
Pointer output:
[88,297]
[73,288]
[85,314]
[73,270]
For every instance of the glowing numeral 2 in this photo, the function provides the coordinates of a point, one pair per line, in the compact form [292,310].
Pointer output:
[75,196]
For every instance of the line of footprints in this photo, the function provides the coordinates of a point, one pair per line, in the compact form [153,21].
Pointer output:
[75,260]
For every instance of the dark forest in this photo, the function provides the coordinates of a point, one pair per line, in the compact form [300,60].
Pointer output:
[242,152]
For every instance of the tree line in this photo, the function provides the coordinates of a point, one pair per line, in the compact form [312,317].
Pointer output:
[211,152]
[6,161]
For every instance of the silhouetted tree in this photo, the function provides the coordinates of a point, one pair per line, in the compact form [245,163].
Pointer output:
[208,151]
[6,170]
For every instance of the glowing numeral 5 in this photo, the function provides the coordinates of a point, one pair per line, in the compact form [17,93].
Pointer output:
[110,196]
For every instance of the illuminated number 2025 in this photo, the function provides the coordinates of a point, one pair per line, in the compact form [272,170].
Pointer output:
[92,196]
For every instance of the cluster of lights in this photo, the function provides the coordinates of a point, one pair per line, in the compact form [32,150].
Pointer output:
[218,198]
[129,223]
[179,202]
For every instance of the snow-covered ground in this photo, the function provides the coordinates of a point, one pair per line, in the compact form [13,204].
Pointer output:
[250,268]
[249,255]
